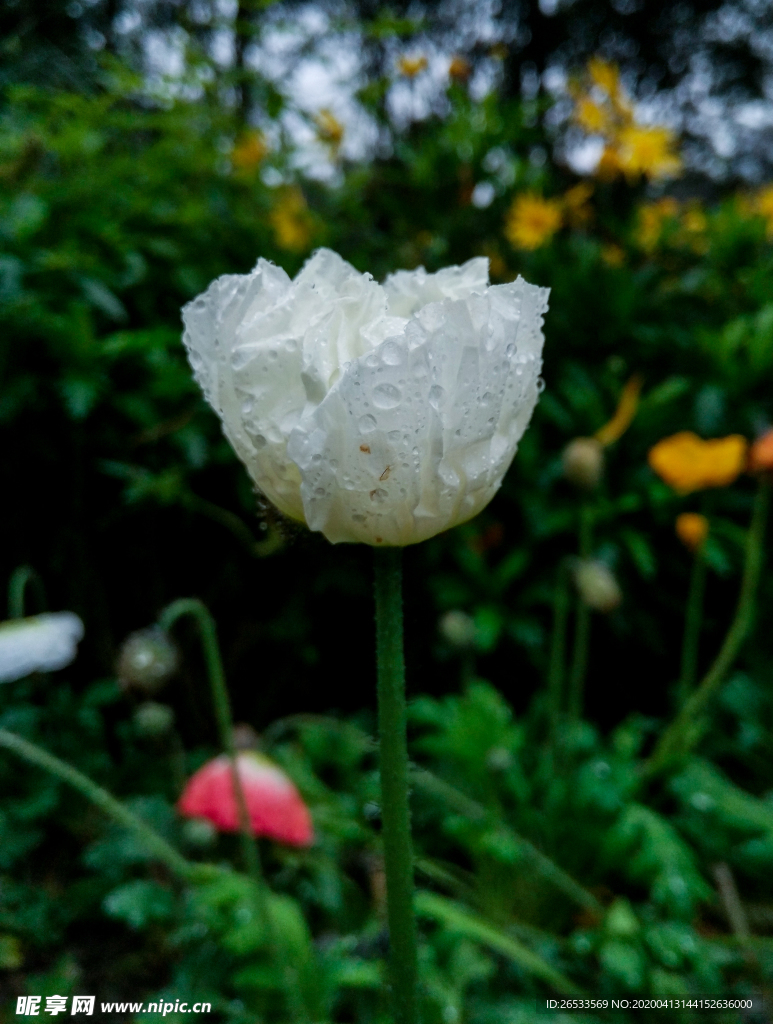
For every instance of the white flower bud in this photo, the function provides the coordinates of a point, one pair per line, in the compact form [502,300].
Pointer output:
[596,585]
[41,643]
[152,719]
[381,414]
[583,462]
[457,628]
[147,660]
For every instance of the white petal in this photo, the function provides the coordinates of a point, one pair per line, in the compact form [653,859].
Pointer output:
[42,643]
[409,290]
[416,435]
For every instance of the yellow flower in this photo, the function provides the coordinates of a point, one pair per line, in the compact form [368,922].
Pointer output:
[651,218]
[249,151]
[613,255]
[624,413]
[605,75]
[692,529]
[608,166]
[329,128]
[575,201]
[591,116]
[532,221]
[648,151]
[412,66]
[291,221]
[688,463]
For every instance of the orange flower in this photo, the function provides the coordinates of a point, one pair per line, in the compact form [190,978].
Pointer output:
[761,453]
[412,66]
[249,151]
[688,463]
[532,221]
[459,70]
[692,529]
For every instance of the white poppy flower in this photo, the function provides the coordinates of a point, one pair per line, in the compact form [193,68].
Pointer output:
[380,414]
[42,643]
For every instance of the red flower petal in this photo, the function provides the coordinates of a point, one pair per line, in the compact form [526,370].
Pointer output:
[275,807]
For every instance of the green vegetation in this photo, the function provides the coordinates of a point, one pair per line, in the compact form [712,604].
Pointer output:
[553,851]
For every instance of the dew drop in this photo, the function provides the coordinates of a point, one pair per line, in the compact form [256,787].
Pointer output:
[272,354]
[540,385]
[379,495]
[436,394]
[391,353]
[259,440]
[367,424]
[247,407]
[487,398]
[316,457]
[358,517]
[320,492]
[394,436]
[386,396]
[510,350]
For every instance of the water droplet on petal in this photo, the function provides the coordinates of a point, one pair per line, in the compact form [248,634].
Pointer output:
[510,351]
[436,394]
[320,492]
[487,398]
[259,440]
[367,423]
[540,385]
[391,353]
[386,396]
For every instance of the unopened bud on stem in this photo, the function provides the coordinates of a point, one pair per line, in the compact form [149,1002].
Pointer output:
[596,585]
[147,660]
[583,462]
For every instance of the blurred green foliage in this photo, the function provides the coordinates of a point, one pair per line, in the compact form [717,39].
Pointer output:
[546,861]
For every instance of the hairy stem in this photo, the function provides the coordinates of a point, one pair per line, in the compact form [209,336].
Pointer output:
[33,754]
[208,635]
[682,734]
[398,852]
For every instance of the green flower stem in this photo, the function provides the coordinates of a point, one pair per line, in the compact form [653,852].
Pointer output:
[558,650]
[692,628]
[208,635]
[395,812]
[581,625]
[177,864]
[22,578]
[682,734]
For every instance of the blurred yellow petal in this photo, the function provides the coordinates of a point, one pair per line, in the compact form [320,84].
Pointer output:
[651,218]
[624,414]
[291,221]
[249,151]
[648,151]
[688,463]
[576,206]
[605,75]
[412,66]
[591,116]
[532,221]
[692,529]
[613,255]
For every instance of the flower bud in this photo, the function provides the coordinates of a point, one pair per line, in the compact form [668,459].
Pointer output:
[583,462]
[692,529]
[457,628]
[761,454]
[596,585]
[152,719]
[147,660]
